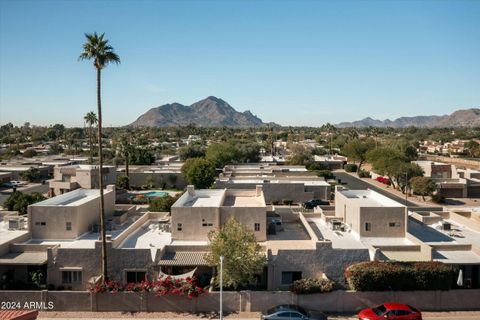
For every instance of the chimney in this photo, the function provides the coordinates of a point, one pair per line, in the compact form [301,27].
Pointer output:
[258,190]
[191,190]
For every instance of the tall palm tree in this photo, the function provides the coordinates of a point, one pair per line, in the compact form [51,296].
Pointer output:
[91,119]
[97,49]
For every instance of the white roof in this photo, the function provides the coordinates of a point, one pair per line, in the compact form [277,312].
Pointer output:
[71,199]
[369,198]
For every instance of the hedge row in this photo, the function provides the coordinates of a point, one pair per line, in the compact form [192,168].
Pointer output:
[311,285]
[350,167]
[382,276]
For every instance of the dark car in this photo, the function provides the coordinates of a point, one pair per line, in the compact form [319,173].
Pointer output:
[315,202]
[391,310]
[292,312]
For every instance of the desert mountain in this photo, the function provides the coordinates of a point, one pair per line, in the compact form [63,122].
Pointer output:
[460,118]
[209,112]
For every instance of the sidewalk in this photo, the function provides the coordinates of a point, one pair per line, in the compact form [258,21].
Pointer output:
[451,315]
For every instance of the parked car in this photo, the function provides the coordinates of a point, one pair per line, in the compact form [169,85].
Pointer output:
[13,184]
[292,312]
[315,202]
[391,310]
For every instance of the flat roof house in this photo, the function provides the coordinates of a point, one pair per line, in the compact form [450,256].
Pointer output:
[69,215]
[68,178]
[197,212]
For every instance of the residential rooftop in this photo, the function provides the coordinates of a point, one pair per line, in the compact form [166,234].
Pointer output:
[214,198]
[72,198]
[369,198]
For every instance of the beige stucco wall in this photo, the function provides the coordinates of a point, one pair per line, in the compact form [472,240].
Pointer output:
[191,220]
[247,216]
[380,217]
[55,217]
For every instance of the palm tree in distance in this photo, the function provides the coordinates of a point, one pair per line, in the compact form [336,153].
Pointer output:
[91,119]
[97,49]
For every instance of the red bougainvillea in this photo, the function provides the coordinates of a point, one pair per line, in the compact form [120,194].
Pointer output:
[166,286]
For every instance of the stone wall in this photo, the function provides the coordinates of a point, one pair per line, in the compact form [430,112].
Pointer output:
[244,301]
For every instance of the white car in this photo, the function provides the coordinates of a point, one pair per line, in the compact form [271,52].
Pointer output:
[13,184]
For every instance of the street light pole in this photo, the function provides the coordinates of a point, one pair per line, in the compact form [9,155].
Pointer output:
[221,287]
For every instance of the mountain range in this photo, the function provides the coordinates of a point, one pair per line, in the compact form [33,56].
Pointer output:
[460,118]
[209,112]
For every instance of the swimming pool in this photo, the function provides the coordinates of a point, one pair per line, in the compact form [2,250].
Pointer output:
[155,194]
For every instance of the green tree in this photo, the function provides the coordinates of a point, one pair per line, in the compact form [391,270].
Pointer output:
[91,119]
[300,156]
[243,256]
[356,150]
[31,175]
[140,156]
[18,201]
[96,48]
[191,151]
[122,182]
[29,153]
[423,186]
[473,148]
[163,204]
[199,172]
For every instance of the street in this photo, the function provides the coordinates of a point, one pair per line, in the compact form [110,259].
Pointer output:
[454,315]
[5,192]
[356,184]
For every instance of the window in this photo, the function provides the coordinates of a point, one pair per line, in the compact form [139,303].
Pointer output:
[285,315]
[40,223]
[179,227]
[402,312]
[68,226]
[288,277]
[368,226]
[71,276]
[257,226]
[206,224]
[135,276]
[394,224]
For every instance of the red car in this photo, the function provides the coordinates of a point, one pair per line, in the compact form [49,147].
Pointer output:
[391,310]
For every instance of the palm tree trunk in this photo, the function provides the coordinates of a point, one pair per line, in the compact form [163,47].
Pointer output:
[100,180]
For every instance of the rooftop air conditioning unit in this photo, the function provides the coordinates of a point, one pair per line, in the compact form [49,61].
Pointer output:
[16,223]
[447,226]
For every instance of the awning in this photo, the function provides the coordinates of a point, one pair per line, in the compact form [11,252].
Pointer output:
[24,258]
[183,258]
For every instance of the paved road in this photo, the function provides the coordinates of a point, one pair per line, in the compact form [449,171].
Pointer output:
[153,316]
[5,193]
[356,183]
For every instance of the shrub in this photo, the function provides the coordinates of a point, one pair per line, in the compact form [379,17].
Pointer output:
[166,286]
[437,198]
[275,202]
[311,285]
[327,174]
[287,202]
[350,167]
[382,276]
[364,174]
[163,204]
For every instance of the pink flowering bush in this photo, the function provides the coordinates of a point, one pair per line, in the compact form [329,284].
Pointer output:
[162,287]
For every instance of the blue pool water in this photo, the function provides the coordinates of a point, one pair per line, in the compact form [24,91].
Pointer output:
[155,194]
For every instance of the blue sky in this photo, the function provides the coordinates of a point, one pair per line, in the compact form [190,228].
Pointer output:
[291,62]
